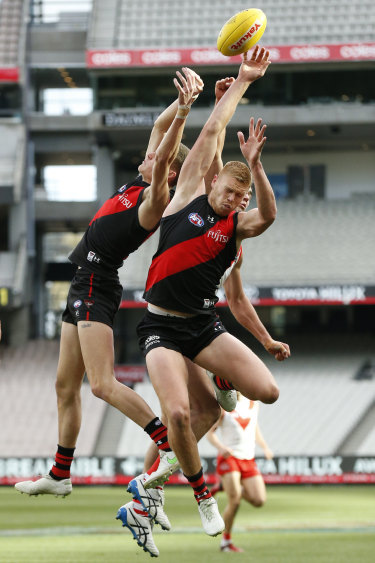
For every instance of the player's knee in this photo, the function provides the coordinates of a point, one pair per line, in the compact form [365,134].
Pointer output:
[234,501]
[258,502]
[66,393]
[179,416]
[100,390]
[271,394]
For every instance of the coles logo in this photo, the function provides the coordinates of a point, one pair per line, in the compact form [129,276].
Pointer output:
[196,219]
[77,303]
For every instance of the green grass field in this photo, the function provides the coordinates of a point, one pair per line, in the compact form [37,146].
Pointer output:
[298,524]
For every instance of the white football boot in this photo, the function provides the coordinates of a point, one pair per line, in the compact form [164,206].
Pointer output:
[140,526]
[168,464]
[45,486]
[213,524]
[152,500]
[226,398]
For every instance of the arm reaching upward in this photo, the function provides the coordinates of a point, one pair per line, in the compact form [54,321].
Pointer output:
[256,221]
[156,196]
[199,160]
[221,87]
[164,120]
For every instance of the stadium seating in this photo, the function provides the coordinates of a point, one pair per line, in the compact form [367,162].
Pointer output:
[320,403]
[11,19]
[298,248]
[192,23]
[314,243]
[28,416]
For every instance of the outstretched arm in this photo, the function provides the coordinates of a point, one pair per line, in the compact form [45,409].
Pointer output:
[257,220]
[164,120]
[221,87]
[156,196]
[199,160]
[244,312]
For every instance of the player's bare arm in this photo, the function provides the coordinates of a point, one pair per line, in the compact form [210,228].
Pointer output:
[156,196]
[245,313]
[164,120]
[221,87]
[256,221]
[191,181]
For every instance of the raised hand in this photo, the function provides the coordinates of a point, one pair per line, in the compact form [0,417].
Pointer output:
[199,84]
[254,66]
[186,86]
[222,86]
[252,148]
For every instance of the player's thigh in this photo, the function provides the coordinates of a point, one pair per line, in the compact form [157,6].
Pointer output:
[229,358]
[70,367]
[231,482]
[254,490]
[168,374]
[96,341]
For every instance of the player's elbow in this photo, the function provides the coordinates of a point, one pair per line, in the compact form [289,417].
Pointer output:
[163,158]
[270,216]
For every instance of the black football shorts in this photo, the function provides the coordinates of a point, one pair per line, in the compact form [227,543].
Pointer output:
[185,335]
[92,297]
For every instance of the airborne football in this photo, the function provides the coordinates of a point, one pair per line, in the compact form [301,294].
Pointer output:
[241,32]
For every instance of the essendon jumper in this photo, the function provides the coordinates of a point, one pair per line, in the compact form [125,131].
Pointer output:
[196,247]
[114,232]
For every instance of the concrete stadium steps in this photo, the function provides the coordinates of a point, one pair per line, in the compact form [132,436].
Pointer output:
[28,417]
[147,24]
[320,403]
[314,242]
[11,20]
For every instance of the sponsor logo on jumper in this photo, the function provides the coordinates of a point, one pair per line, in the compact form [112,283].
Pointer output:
[210,219]
[125,201]
[150,340]
[77,303]
[207,303]
[122,189]
[218,326]
[196,219]
[218,236]
[246,36]
[88,302]
[92,257]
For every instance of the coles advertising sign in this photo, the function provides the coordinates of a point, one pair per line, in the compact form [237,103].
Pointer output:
[118,58]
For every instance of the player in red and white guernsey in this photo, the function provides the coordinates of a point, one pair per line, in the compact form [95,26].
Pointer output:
[199,238]
[236,465]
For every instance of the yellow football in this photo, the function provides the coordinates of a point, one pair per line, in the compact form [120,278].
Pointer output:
[241,32]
